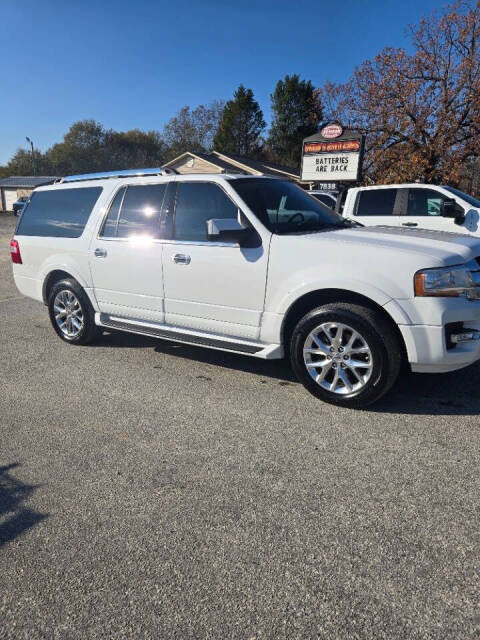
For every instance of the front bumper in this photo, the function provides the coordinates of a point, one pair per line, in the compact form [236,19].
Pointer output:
[428,347]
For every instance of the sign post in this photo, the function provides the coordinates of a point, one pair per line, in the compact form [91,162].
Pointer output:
[333,155]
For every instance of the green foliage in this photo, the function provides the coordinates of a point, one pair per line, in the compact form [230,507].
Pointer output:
[296,113]
[192,129]
[241,125]
[89,147]
[20,164]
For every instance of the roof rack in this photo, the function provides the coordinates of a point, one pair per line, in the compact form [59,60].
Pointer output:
[126,173]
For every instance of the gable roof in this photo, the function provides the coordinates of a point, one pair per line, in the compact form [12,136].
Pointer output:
[264,167]
[26,182]
[230,163]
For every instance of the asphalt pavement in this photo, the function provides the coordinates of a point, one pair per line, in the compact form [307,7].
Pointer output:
[153,490]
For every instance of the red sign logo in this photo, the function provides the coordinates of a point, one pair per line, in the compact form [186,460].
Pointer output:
[341,145]
[332,131]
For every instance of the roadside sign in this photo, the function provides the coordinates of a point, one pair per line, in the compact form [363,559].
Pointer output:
[339,159]
[331,131]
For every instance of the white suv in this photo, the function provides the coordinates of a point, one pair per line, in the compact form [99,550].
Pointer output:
[250,265]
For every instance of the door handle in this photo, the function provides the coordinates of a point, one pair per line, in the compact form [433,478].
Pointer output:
[181,258]
[100,253]
[409,224]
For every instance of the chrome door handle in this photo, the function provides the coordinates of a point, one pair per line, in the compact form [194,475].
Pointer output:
[181,258]
[100,253]
[409,224]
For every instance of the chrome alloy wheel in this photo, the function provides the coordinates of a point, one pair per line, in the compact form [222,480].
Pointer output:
[68,313]
[338,358]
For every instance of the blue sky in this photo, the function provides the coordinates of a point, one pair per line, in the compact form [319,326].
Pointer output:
[135,63]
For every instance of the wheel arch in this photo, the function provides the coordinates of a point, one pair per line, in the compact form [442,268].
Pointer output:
[54,276]
[309,301]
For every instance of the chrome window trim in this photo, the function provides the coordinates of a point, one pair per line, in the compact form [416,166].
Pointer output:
[176,242]
[201,243]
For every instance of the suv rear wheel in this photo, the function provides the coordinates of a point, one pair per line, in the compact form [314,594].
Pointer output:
[71,313]
[346,354]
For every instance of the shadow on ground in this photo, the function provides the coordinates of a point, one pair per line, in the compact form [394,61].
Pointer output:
[15,518]
[417,394]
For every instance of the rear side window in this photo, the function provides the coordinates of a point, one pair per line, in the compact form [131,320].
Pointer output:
[59,213]
[377,202]
[135,211]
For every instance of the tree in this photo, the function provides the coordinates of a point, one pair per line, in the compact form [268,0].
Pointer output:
[20,164]
[134,149]
[82,149]
[88,147]
[296,111]
[421,111]
[241,125]
[193,129]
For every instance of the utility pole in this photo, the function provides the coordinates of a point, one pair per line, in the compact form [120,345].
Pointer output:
[33,155]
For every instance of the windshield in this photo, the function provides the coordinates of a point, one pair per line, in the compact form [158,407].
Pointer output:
[283,207]
[464,196]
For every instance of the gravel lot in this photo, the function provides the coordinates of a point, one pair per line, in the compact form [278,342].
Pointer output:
[150,490]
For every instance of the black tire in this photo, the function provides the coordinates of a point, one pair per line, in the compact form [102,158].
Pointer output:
[384,363]
[89,330]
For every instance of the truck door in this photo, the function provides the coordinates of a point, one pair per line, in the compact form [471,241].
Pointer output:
[424,208]
[376,207]
[126,256]
[211,286]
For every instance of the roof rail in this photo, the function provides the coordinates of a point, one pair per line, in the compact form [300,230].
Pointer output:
[126,173]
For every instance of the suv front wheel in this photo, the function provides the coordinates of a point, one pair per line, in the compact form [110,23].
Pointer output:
[346,354]
[71,313]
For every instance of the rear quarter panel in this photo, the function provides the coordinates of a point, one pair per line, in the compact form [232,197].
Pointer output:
[42,254]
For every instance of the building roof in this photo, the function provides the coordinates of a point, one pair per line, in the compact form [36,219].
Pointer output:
[231,163]
[264,167]
[26,182]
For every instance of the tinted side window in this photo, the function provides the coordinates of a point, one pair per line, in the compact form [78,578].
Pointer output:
[377,202]
[324,199]
[140,212]
[59,213]
[109,229]
[424,202]
[198,202]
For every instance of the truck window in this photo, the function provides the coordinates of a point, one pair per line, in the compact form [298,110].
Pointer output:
[424,202]
[325,199]
[376,202]
[58,213]
[109,229]
[135,210]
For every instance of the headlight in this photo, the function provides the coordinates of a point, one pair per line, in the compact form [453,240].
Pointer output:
[463,280]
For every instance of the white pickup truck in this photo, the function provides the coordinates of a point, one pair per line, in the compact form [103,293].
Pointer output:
[426,206]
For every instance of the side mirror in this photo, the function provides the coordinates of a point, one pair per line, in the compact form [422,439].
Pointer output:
[226,230]
[448,208]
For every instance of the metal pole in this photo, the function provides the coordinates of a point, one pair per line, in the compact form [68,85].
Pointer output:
[33,155]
